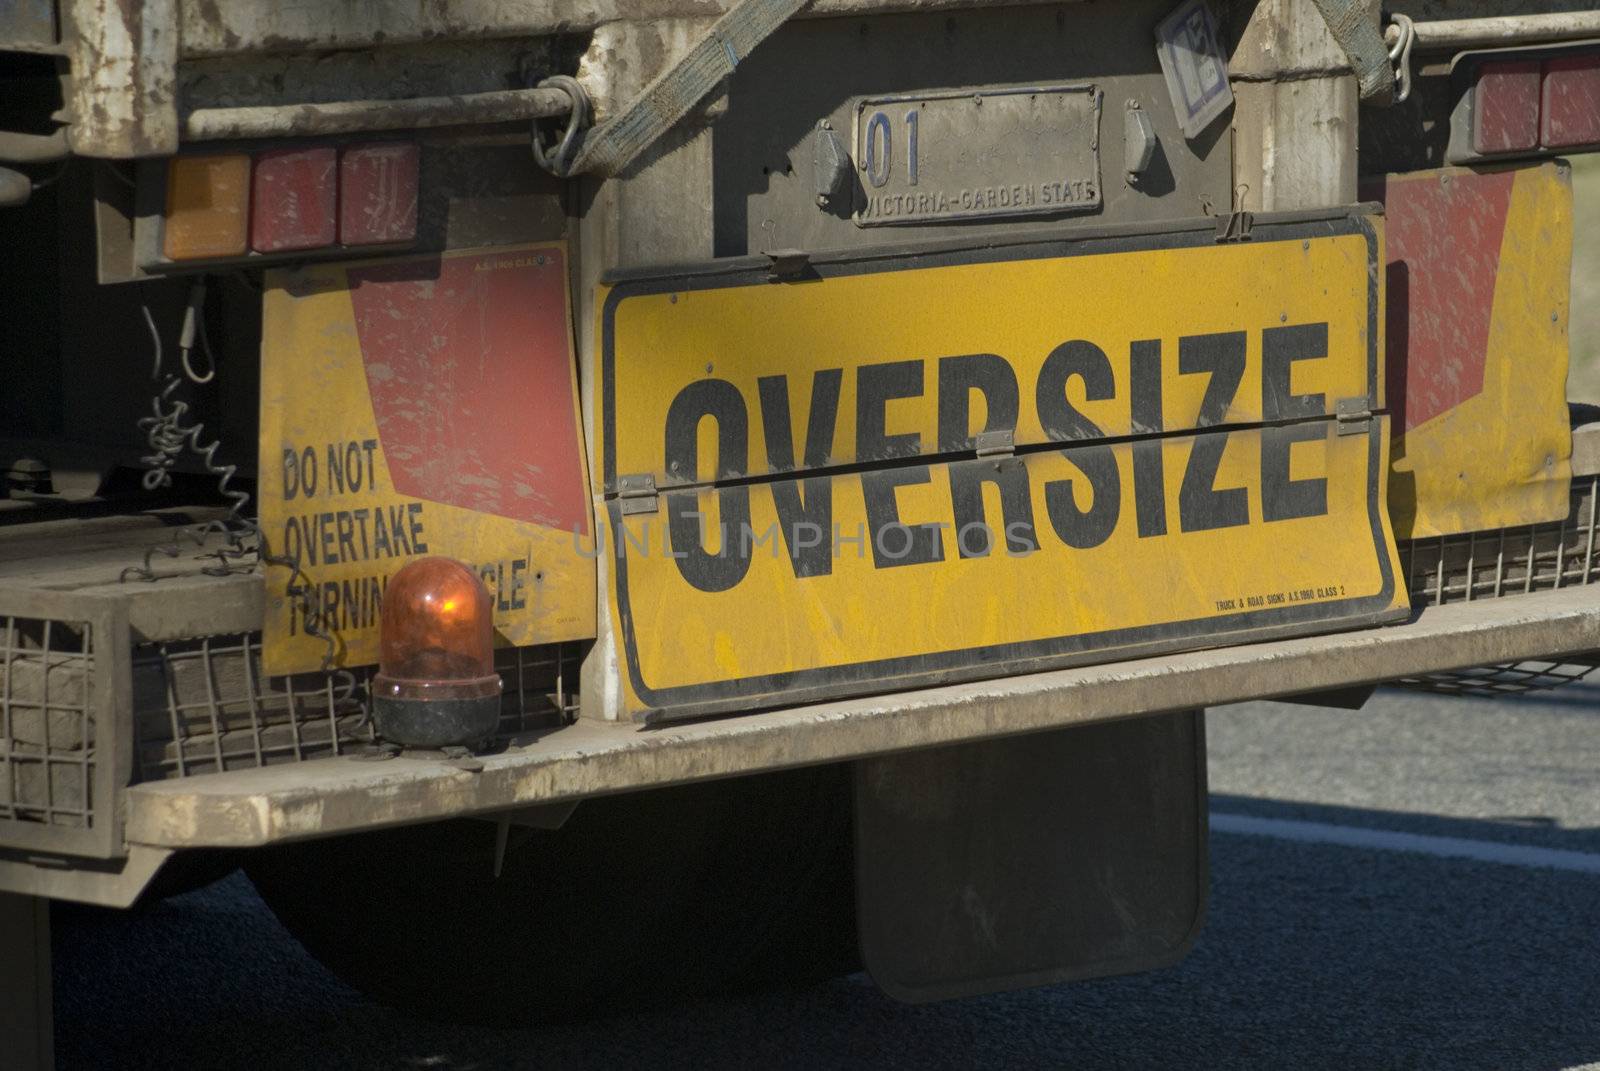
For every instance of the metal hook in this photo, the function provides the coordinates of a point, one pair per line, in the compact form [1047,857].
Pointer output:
[1400,35]
[558,159]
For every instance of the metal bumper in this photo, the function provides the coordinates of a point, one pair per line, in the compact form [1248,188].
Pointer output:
[337,795]
[135,719]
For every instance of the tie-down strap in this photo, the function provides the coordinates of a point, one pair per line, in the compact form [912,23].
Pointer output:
[611,147]
[616,143]
[1352,25]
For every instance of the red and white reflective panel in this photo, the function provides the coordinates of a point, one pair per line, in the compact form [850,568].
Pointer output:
[295,198]
[1571,102]
[378,193]
[1505,107]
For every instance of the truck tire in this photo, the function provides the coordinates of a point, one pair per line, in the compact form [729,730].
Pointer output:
[637,900]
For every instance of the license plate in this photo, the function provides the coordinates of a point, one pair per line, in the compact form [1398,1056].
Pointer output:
[975,463]
[961,154]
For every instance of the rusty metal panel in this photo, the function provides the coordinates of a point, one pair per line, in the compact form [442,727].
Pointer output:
[124,61]
[219,27]
[1478,266]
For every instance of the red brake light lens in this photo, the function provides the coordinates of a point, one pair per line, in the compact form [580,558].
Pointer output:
[1505,109]
[1571,102]
[295,200]
[290,200]
[378,194]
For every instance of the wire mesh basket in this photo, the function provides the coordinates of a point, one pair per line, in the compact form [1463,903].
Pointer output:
[203,706]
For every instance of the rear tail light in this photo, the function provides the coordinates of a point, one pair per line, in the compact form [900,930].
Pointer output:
[296,196]
[1571,102]
[1527,103]
[1505,113]
[208,206]
[378,194]
[290,200]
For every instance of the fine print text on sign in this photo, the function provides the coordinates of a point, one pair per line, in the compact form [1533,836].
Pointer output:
[1046,469]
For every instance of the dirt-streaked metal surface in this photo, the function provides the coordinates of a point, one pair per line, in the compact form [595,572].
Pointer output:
[587,758]
[218,27]
[124,61]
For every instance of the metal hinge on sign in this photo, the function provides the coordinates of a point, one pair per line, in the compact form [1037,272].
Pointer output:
[637,494]
[787,264]
[1352,415]
[996,443]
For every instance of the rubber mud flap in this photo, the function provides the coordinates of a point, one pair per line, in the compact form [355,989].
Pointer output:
[1031,860]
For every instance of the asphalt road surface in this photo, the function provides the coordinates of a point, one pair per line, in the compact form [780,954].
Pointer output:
[1409,886]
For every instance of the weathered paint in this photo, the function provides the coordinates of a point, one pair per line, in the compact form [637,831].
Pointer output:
[1494,30]
[28,25]
[1478,266]
[1018,309]
[124,59]
[591,757]
[349,116]
[1283,40]
[429,406]
[218,27]
[1294,143]
[816,425]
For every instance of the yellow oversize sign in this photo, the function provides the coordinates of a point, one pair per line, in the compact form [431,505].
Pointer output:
[897,472]
[414,407]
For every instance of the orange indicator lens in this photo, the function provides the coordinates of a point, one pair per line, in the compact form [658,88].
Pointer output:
[208,207]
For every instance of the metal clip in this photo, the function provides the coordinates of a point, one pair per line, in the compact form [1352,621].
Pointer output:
[996,443]
[787,264]
[1352,415]
[1399,36]
[637,494]
[1235,227]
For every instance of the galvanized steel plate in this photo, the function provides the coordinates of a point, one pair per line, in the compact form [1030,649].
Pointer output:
[970,154]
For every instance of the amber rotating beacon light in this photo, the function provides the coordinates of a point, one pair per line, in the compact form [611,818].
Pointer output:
[436,685]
